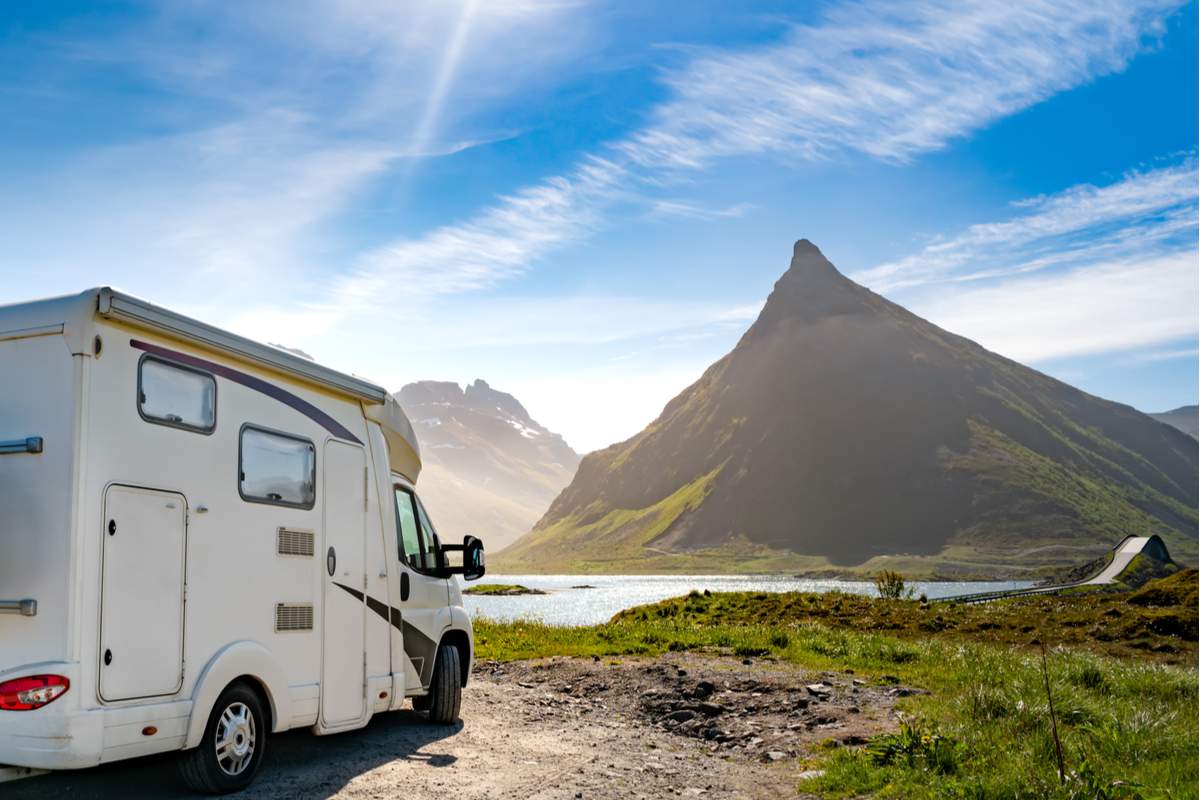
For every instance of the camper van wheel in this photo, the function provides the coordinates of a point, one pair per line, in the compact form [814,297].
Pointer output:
[445,691]
[231,750]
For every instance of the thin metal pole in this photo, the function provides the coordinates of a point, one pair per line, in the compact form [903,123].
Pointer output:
[1062,774]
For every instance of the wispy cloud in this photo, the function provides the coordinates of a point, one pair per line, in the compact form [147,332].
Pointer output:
[1154,356]
[889,81]
[500,243]
[685,210]
[1143,214]
[1085,271]
[268,121]
[1101,308]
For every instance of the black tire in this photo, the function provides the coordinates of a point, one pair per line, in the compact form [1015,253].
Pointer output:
[445,691]
[237,718]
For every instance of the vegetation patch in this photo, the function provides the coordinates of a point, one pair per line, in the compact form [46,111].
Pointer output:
[500,589]
[1126,715]
[1158,621]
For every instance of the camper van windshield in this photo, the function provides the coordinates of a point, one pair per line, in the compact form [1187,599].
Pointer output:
[276,468]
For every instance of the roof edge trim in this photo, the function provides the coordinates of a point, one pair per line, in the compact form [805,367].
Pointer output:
[112,304]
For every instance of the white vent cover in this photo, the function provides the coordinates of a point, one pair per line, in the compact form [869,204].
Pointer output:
[294,542]
[293,616]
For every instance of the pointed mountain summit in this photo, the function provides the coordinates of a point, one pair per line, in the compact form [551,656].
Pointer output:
[845,432]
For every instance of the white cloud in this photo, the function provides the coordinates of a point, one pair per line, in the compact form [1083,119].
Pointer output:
[685,210]
[1143,213]
[274,118]
[891,81]
[1154,356]
[1101,308]
[500,243]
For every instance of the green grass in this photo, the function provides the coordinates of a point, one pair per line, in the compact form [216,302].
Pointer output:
[984,729]
[500,589]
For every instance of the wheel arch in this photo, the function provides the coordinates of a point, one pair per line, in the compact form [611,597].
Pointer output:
[245,661]
[459,639]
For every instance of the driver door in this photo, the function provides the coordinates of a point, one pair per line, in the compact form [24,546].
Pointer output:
[424,605]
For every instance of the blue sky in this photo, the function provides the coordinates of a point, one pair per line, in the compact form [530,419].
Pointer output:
[586,203]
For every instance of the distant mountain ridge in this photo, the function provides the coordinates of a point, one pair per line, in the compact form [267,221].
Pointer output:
[845,432]
[1185,418]
[489,468]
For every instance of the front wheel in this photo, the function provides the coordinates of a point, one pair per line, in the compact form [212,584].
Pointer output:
[232,748]
[445,691]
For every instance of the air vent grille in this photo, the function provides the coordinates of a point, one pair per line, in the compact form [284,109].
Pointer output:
[293,542]
[293,616]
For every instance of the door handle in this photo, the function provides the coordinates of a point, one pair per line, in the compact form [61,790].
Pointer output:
[404,586]
[331,561]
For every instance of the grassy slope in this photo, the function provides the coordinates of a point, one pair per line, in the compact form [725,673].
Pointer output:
[618,542]
[1088,514]
[1125,718]
[1049,487]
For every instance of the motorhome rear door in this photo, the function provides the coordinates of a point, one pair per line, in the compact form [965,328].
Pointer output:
[141,602]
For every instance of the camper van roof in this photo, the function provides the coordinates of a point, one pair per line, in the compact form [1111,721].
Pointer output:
[112,304]
[68,313]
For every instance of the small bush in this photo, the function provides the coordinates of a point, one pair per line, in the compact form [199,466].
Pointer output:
[914,747]
[890,586]
[1089,677]
[987,703]
[780,641]
[1085,784]
[746,651]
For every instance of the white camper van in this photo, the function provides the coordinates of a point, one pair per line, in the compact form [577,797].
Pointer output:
[204,540]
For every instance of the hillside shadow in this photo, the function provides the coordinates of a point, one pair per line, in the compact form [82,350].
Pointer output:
[298,764]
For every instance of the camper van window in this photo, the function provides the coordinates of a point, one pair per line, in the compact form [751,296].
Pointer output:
[418,542]
[406,527]
[175,395]
[276,468]
[429,541]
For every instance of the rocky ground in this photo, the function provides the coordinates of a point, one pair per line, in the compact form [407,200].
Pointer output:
[681,725]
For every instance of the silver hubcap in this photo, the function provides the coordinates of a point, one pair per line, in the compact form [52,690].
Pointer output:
[235,739]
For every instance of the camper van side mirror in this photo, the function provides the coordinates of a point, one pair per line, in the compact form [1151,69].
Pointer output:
[473,562]
[472,567]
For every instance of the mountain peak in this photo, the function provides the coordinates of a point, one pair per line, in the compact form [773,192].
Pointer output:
[808,260]
[480,395]
[810,289]
[844,427]
[804,247]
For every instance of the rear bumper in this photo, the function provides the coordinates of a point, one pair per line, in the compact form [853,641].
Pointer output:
[44,739]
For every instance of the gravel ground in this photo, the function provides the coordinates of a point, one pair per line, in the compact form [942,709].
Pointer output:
[682,725]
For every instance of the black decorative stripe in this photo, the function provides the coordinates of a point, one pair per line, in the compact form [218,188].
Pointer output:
[257,384]
[388,613]
[416,643]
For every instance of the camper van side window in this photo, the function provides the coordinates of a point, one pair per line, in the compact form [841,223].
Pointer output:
[430,548]
[276,468]
[175,395]
[407,531]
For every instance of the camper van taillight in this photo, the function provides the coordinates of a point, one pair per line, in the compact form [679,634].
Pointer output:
[35,691]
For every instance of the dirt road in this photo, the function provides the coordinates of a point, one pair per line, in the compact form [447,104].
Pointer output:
[684,725]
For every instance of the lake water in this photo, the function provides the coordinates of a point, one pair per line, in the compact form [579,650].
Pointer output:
[565,605]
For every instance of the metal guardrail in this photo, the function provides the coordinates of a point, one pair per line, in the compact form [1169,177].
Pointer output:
[985,597]
[1004,594]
